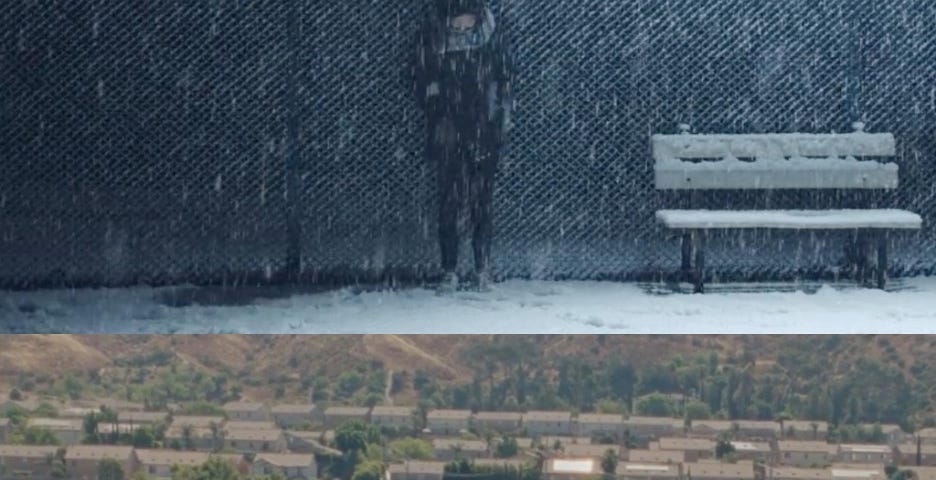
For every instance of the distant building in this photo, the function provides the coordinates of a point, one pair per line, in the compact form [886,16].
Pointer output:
[416,470]
[81,461]
[865,453]
[599,424]
[247,411]
[805,453]
[500,422]
[159,463]
[541,423]
[296,415]
[335,416]
[694,449]
[393,417]
[290,465]
[568,468]
[448,422]
[648,471]
[449,449]
[26,461]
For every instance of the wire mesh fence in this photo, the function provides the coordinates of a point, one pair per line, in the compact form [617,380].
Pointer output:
[167,141]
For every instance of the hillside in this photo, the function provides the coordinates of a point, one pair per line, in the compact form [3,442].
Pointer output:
[285,367]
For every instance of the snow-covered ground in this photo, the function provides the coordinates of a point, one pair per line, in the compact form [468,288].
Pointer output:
[513,307]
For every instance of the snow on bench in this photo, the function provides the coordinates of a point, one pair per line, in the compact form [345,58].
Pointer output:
[779,161]
[790,219]
[766,161]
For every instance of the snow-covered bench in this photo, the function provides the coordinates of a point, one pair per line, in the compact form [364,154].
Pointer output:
[855,160]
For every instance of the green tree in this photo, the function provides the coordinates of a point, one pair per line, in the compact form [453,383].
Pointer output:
[723,448]
[369,470]
[214,469]
[655,405]
[39,436]
[696,410]
[609,462]
[507,447]
[143,437]
[46,410]
[411,449]
[110,469]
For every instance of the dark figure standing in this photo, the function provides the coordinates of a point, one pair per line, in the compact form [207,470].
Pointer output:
[463,84]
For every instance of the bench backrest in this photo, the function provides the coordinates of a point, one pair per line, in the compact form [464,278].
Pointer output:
[774,161]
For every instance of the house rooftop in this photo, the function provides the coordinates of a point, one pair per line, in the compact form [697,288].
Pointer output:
[656,456]
[27,451]
[98,452]
[674,443]
[243,406]
[391,411]
[601,418]
[142,417]
[170,457]
[293,408]
[286,460]
[784,473]
[805,446]
[444,414]
[345,410]
[570,465]
[647,469]
[589,450]
[498,416]
[253,435]
[417,467]
[751,446]
[864,448]
[248,425]
[196,420]
[720,470]
[547,416]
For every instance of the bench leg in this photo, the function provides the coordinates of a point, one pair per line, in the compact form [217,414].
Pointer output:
[881,279]
[699,247]
[686,268]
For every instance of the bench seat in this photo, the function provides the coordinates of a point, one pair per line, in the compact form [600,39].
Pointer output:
[790,219]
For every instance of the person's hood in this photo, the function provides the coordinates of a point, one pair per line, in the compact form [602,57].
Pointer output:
[453,8]
[477,37]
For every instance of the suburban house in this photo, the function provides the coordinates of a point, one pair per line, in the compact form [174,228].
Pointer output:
[106,428]
[801,453]
[805,430]
[567,468]
[142,418]
[82,461]
[112,404]
[892,432]
[583,450]
[204,432]
[392,417]
[502,462]
[255,441]
[719,471]
[539,423]
[337,415]
[656,456]
[710,428]
[648,471]
[752,451]
[756,429]
[413,470]
[301,441]
[927,435]
[26,461]
[296,415]
[69,431]
[907,454]
[247,411]
[865,453]
[857,472]
[158,463]
[448,422]
[76,412]
[794,473]
[500,422]
[236,460]
[650,428]
[290,465]
[922,473]
[599,424]
[449,449]
[239,425]
[693,448]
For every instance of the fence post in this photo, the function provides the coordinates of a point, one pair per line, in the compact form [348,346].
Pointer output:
[293,118]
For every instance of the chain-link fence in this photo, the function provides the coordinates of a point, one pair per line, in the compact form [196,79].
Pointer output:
[214,140]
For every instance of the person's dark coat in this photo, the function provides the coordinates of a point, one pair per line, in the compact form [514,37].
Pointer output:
[470,84]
